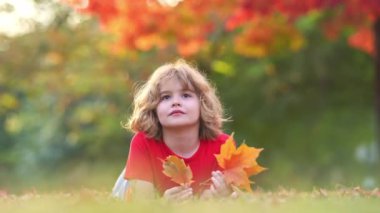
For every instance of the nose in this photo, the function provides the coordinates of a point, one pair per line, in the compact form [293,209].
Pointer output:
[176,101]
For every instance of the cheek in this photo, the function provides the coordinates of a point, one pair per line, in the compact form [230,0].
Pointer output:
[162,109]
[198,108]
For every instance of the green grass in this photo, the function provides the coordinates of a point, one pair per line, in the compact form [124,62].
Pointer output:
[86,200]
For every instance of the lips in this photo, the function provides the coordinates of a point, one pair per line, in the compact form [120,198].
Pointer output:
[175,112]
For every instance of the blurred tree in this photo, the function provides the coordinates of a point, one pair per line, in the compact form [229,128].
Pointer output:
[259,27]
[309,110]
[53,96]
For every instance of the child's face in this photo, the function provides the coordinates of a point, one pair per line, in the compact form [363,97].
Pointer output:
[178,107]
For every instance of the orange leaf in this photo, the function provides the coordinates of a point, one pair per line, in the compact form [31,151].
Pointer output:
[254,170]
[238,164]
[243,157]
[238,177]
[226,151]
[176,169]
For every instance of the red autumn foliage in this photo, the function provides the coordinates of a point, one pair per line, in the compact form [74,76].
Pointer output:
[363,39]
[190,26]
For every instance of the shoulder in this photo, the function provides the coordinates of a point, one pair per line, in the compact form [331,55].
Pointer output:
[222,137]
[214,144]
[140,138]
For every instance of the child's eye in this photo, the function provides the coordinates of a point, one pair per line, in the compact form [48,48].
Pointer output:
[186,95]
[165,97]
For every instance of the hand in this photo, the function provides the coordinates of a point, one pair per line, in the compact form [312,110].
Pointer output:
[219,187]
[179,193]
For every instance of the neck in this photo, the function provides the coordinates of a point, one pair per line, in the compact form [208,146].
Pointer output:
[183,142]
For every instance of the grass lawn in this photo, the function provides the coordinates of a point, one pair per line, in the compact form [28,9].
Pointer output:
[283,200]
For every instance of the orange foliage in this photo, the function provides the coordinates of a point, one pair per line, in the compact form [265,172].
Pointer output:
[238,164]
[266,36]
[146,25]
[364,40]
[176,169]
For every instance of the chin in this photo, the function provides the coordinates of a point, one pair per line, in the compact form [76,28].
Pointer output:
[179,125]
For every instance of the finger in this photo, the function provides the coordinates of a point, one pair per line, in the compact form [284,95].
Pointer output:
[234,195]
[217,173]
[220,185]
[185,195]
[185,191]
[216,183]
[219,177]
[222,178]
[173,192]
[213,191]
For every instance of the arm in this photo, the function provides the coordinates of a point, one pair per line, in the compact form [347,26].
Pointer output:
[144,190]
[140,190]
[139,171]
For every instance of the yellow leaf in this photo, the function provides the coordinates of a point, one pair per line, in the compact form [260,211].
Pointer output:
[176,169]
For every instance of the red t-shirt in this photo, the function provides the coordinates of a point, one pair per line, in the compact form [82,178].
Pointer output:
[145,155]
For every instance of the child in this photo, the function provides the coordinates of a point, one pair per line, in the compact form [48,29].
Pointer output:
[176,113]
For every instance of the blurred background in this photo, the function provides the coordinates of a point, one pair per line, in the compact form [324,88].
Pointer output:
[296,79]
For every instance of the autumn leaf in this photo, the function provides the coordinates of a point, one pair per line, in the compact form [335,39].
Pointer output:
[364,40]
[239,164]
[176,169]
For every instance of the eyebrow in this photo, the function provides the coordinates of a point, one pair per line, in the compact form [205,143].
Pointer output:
[183,90]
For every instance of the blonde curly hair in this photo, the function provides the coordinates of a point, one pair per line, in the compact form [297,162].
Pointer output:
[144,117]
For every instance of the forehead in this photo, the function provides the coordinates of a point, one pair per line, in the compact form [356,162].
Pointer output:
[170,83]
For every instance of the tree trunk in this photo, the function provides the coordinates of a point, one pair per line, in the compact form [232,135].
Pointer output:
[377,82]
